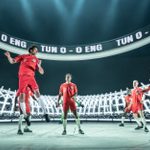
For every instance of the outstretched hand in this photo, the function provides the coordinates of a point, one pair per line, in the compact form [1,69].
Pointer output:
[7,54]
[40,62]
[40,69]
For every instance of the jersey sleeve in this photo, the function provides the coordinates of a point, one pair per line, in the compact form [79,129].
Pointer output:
[19,58]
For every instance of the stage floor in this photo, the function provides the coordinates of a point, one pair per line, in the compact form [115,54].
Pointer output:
[48,136]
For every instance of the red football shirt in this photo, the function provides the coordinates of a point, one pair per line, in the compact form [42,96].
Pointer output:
[137,95]
[28,64]
[68,90]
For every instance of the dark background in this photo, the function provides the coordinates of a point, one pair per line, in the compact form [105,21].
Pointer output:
[72,22]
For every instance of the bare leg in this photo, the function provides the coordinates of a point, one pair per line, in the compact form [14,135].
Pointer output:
[138,122]
[142,118]
[20,124]
[137,119]
[27,129]
[65,120]
[22,103]
[77,119]
[41,102]
[122,119]
[78,122]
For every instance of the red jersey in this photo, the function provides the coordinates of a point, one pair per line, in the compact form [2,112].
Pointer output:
[137,95]
[28,64]
[68,90]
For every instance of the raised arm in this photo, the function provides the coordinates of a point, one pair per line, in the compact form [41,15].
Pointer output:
[10,59]
[40,69]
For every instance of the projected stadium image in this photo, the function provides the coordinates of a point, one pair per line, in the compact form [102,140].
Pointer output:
[74,74]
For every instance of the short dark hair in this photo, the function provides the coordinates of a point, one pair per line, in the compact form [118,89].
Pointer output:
[68,74]
[31,48]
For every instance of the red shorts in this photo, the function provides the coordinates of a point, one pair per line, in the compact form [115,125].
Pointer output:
[69,104]
[140,107]
[136,108]
[27,81]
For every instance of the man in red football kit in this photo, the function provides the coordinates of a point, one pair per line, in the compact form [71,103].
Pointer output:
[127,108]
[137,106]
[68,91]
[29,63]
